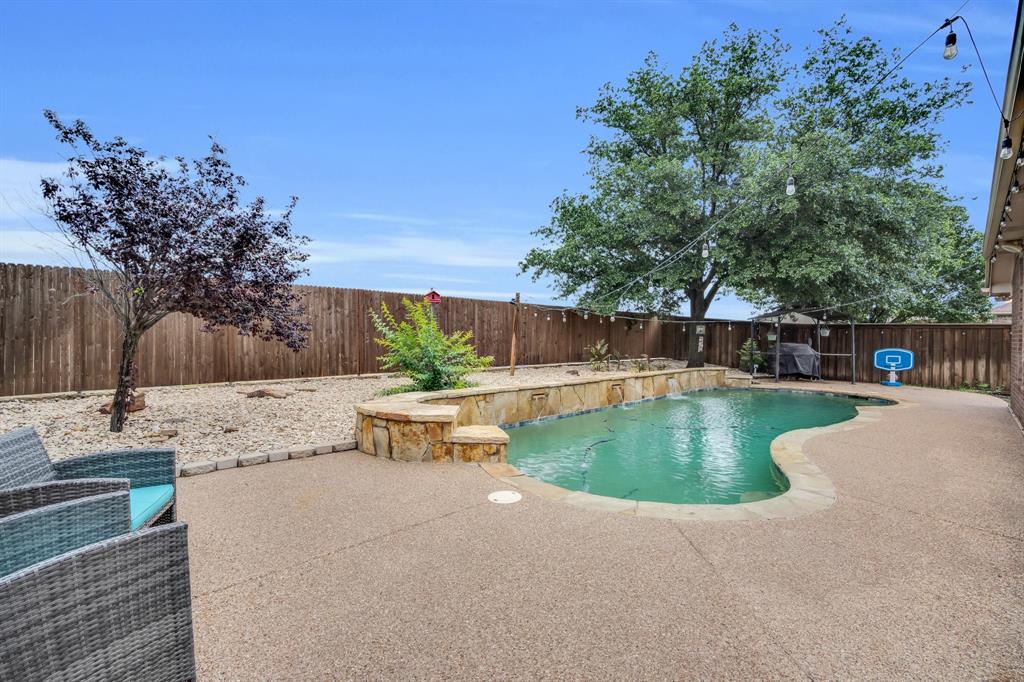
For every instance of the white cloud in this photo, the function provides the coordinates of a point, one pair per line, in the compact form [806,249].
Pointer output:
[430,278]
[21,202]
[34,247]
[452,252]
[388,218]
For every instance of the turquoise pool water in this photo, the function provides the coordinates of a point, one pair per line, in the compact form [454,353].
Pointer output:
[709,447]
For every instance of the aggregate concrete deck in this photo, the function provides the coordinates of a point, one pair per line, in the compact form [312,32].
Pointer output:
[344,566]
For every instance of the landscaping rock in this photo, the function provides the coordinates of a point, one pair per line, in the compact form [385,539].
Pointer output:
[344,445]
[137,403]
[169,433]
[70,425]
[300,452]
[230,429]
[267,393]
[323,449]
[574,372]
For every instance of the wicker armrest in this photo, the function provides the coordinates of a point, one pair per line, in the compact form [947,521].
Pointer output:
[33,495]
[44,532]
[114,610]
[141,467]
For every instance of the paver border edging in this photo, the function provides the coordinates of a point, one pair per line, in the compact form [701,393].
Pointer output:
[810,490]
[251,459]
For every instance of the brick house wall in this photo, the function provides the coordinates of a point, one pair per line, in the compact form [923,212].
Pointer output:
[1017,341]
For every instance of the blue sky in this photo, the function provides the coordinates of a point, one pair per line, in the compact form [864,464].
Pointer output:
[425,141]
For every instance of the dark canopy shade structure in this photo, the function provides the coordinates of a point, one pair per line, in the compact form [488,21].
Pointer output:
[797,359]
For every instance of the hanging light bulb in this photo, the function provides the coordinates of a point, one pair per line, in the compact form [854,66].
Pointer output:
[563,316]
[1015,187]
[999,237]
[704,252]
[790,186]
[586,315]
[535,313]
[730,326]
[611,318]
[641,325]
[950,51]
[1009,208]
[1020,159]
[1006,148]
[549,317]
[992,259]
[600,320]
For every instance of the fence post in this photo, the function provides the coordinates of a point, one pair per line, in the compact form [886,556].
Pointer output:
[515,328]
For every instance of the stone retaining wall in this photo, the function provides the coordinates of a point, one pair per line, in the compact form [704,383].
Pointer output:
[442,426]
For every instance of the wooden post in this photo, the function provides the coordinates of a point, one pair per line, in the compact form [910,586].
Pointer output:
[515,327]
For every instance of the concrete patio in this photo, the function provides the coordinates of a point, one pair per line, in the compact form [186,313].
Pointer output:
[344,566]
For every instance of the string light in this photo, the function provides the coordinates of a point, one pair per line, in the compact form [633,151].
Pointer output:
[790,186]
[641,325]
[704,253]
[611,318]
[549,317]
[1020,159]
[586,315]
[563,316]
[1006,149]
[950,51]
[1009,208]
[1015,187]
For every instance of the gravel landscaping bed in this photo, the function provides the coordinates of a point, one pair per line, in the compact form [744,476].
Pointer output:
[208,422]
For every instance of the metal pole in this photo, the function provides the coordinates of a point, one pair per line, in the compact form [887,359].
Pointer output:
[853,351]
[515,327]
[753,344]
[778,346]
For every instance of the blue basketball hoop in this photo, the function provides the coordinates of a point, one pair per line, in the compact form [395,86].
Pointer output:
[894,360]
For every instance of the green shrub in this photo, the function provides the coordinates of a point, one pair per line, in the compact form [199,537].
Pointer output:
[418,349]
[750,355]
[599,357]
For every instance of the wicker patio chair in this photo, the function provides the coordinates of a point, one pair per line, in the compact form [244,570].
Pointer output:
[117,609]
[36,532]
[26,471]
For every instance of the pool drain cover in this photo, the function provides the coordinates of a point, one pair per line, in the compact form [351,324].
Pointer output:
[504,496]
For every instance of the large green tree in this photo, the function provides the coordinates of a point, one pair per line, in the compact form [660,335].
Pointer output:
[870,228]
[699,162]
[665,168]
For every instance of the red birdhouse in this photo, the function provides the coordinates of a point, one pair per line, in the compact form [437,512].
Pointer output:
[432,297]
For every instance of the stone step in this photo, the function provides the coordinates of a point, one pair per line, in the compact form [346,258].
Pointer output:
[479,433]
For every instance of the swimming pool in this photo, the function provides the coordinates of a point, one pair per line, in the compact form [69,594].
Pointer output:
[708,447]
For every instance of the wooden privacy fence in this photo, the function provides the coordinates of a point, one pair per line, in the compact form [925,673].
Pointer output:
[55,338]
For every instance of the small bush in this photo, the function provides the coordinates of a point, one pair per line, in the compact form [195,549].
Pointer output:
[750,355]
[599,357]
[418,349]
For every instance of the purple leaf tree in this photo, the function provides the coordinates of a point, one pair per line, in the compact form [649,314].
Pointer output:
[160,236]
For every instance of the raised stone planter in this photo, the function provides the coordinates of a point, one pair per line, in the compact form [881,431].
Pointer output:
[464,425]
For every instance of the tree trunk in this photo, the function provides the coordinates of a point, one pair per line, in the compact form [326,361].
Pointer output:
[695,343]
[125,382]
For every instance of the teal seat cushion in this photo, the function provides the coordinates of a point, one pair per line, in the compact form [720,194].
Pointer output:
[146,502]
